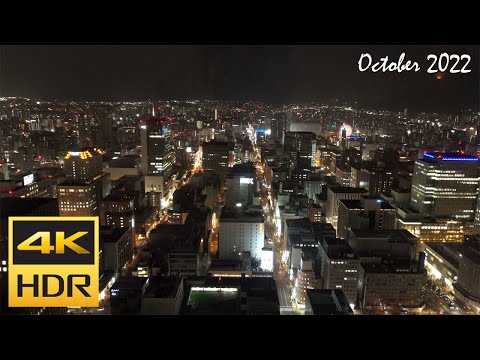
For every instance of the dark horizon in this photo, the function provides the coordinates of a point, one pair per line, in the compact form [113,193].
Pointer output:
[277,74]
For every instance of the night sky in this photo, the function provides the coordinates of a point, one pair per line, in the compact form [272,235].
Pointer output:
[275,73]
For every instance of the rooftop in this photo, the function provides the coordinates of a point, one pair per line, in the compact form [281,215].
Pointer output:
[400,235]
[240,215]
[111,233]
[128,161]
[83,153]
[176,237]
[338,249]
[443,250]
[128,283]
[399,267]
[347,190]
[162,287]
[360,205]
[328,302]
[435,157]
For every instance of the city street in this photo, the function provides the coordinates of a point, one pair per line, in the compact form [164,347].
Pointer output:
[279,246]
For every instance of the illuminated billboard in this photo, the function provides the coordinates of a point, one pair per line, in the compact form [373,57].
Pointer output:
[267,259]
[27,180]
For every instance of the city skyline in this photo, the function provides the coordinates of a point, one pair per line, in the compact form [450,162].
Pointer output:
[273,74]
[351,186]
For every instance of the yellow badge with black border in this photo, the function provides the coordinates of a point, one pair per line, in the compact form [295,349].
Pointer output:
[53,261]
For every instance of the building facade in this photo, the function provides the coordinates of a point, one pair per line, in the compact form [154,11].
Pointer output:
[445,185]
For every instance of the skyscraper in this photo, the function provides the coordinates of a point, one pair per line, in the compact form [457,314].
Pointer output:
[240,185]
[157,159]
[445,185]
[157,147]
[302,147]
[215,157]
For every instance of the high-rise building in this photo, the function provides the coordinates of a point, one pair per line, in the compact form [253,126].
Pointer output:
[240,231]
[157,147]
[215,157]
[86,183]
[337,193]
[83,164]
[82,199]
[445,185]
[375,180]
[107,128]
[83,129]
[341,269]
[117,245]
[157,159]
[476,229]
[369,212]
[457,265]
[306,126]
[240,185]
[277,126]
[302,147]
[390,286]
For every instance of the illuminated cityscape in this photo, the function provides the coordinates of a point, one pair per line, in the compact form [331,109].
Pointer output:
[254,208]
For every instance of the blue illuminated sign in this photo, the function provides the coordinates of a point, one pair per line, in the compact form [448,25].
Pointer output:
[452,158]
[260,130]
[460,159]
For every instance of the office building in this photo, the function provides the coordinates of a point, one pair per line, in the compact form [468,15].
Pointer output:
[157,160]
[240,185]
[240,230]
[301,147]
[375,180]
[30,186]
[305,278]
[182,245]
[369,212]
[467,287]
[442,262]
[82,199]
[341,269]
[277,126]
[157,147]
[84,164]
[301,234]
[445,185]
[117,209]
[215,157]
[306,126]
[343,175]
[86,184]
[129,165]
[337,193]
[393,244]
[315,214]
[394,286]
[117,245]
